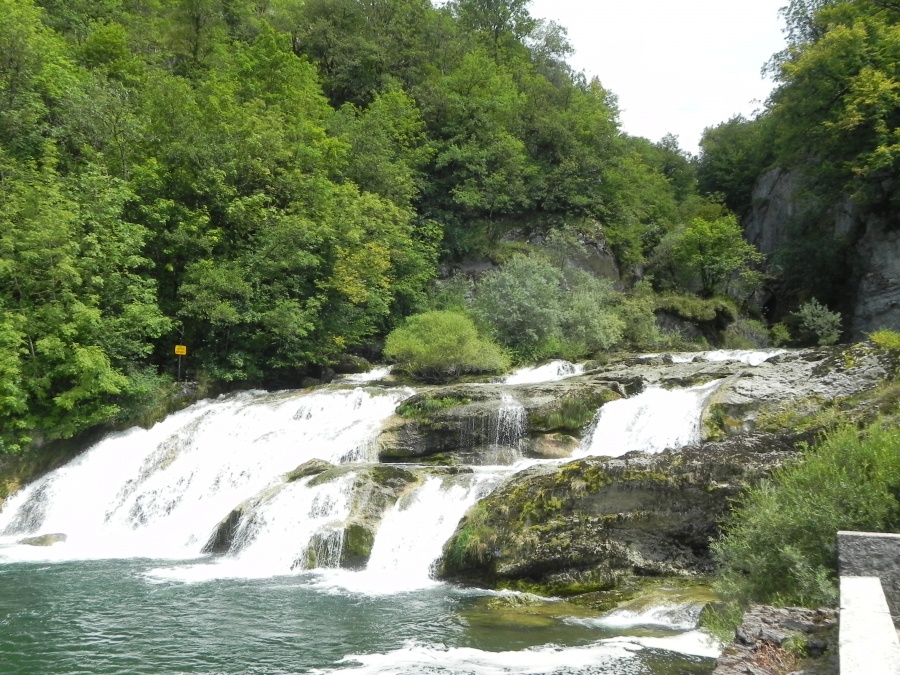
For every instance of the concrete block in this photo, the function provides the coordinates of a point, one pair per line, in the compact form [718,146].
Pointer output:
[873,554]
[868,639]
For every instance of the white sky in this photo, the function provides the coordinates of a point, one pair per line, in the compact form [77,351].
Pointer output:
[676,65]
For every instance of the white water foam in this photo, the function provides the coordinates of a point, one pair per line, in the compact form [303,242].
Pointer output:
[749,356]
[412,535]
[549,372]
[159,492]
[676,617]
[417,659]
[614,656]
[652,421]
[373,375]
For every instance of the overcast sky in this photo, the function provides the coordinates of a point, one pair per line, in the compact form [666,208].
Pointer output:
[676,65]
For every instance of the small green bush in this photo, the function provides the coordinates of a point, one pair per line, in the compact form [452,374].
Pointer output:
[780,335]
[780,544]
[818,325]
[437,346]
[886,339]
[746,334]
[692,308]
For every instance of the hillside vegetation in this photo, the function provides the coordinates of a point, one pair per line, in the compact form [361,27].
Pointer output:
[274,183]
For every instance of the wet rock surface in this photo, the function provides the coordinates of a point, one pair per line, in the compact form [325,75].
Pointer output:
[44,539]
[585,525]
[773,640]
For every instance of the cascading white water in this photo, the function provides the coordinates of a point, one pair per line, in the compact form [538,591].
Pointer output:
[511,422]
[652,421]
[549,372]
[413,532]
[293,527]
[498,435]
[752,357]
[159,492]
[369,376]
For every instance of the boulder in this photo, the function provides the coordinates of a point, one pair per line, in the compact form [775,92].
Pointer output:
[348,364]
[44,539]
[311,468]
[588,524]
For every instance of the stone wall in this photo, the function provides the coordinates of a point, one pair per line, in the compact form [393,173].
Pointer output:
[871,554]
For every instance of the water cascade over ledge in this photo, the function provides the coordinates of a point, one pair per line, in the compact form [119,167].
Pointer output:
[161,494]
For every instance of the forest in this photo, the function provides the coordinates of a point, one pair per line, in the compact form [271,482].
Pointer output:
[278,183]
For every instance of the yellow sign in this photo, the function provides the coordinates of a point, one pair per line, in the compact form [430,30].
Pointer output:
[181,350]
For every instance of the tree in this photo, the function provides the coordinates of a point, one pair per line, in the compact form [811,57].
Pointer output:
[713,252]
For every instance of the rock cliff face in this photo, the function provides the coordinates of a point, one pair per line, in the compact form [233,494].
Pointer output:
[778,200]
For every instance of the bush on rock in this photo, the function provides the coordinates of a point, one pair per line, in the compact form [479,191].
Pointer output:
[438,346]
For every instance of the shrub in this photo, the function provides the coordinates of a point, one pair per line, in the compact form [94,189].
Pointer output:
[780,544]
[539,309]
[746,334]
[436,346]
[780,335]
[886,339]
[817,324]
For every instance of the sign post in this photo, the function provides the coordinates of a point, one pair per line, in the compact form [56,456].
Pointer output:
[180,352]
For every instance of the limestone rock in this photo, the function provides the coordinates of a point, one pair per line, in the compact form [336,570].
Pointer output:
[311,468]
[763,642]
[592,522]
[44,539]
[477,422]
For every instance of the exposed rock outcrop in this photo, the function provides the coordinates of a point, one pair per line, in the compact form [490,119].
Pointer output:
[44,539]
[780,640]
[476,422]
[586,525]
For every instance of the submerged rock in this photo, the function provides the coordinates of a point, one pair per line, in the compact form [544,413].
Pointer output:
[44,539]
[590,523]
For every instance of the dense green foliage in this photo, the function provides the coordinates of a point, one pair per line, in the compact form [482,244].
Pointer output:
[540,309]
[780,545]
[833,120]
[273,184]
[817,325]
[709,257]
[437,346]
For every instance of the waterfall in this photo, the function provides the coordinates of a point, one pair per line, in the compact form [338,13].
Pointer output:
[498,435]
[652,421]
[159,492]
[413,533]
[549,372]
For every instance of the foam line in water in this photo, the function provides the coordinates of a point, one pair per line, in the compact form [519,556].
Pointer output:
[752,357]
[549,372]
[417,658]
[614,656]
[159,492]
[678,617]
[651,421]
